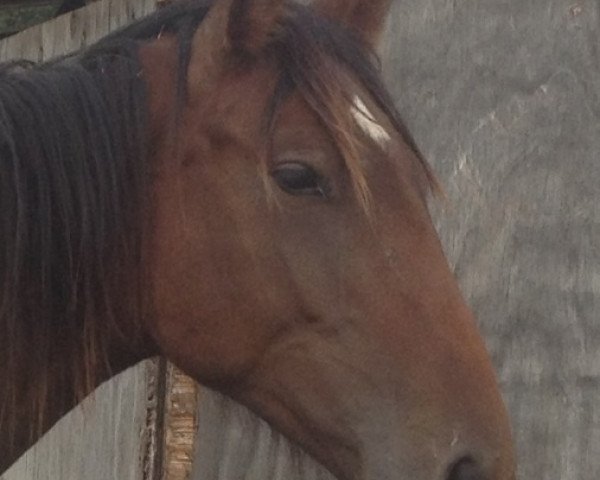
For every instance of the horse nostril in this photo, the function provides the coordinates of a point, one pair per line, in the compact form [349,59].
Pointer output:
[466,468]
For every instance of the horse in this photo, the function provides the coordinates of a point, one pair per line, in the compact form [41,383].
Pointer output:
[227,184]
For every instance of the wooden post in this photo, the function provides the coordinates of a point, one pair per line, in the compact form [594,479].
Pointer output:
[180,424]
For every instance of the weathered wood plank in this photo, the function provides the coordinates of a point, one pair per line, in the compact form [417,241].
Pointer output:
[73,30]
[180,425]
[233,444]
[110,436]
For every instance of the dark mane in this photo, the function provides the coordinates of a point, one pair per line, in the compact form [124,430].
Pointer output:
[73,190]
[74,176]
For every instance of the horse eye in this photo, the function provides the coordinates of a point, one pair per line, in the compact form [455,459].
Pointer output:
[299,179]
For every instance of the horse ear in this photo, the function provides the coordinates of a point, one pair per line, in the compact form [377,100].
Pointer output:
[365,17]
[231,27]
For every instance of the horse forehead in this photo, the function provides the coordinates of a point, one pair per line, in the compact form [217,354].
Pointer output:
[241,97]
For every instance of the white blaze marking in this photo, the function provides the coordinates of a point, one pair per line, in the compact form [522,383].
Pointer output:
[455,438]
[366,121]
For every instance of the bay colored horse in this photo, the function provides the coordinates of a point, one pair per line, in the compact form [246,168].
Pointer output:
[227,184]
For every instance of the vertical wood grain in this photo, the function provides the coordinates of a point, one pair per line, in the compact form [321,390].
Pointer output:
[111,435]
[233,444]
[73,30]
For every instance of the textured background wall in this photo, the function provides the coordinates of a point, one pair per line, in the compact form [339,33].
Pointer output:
[504,98]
